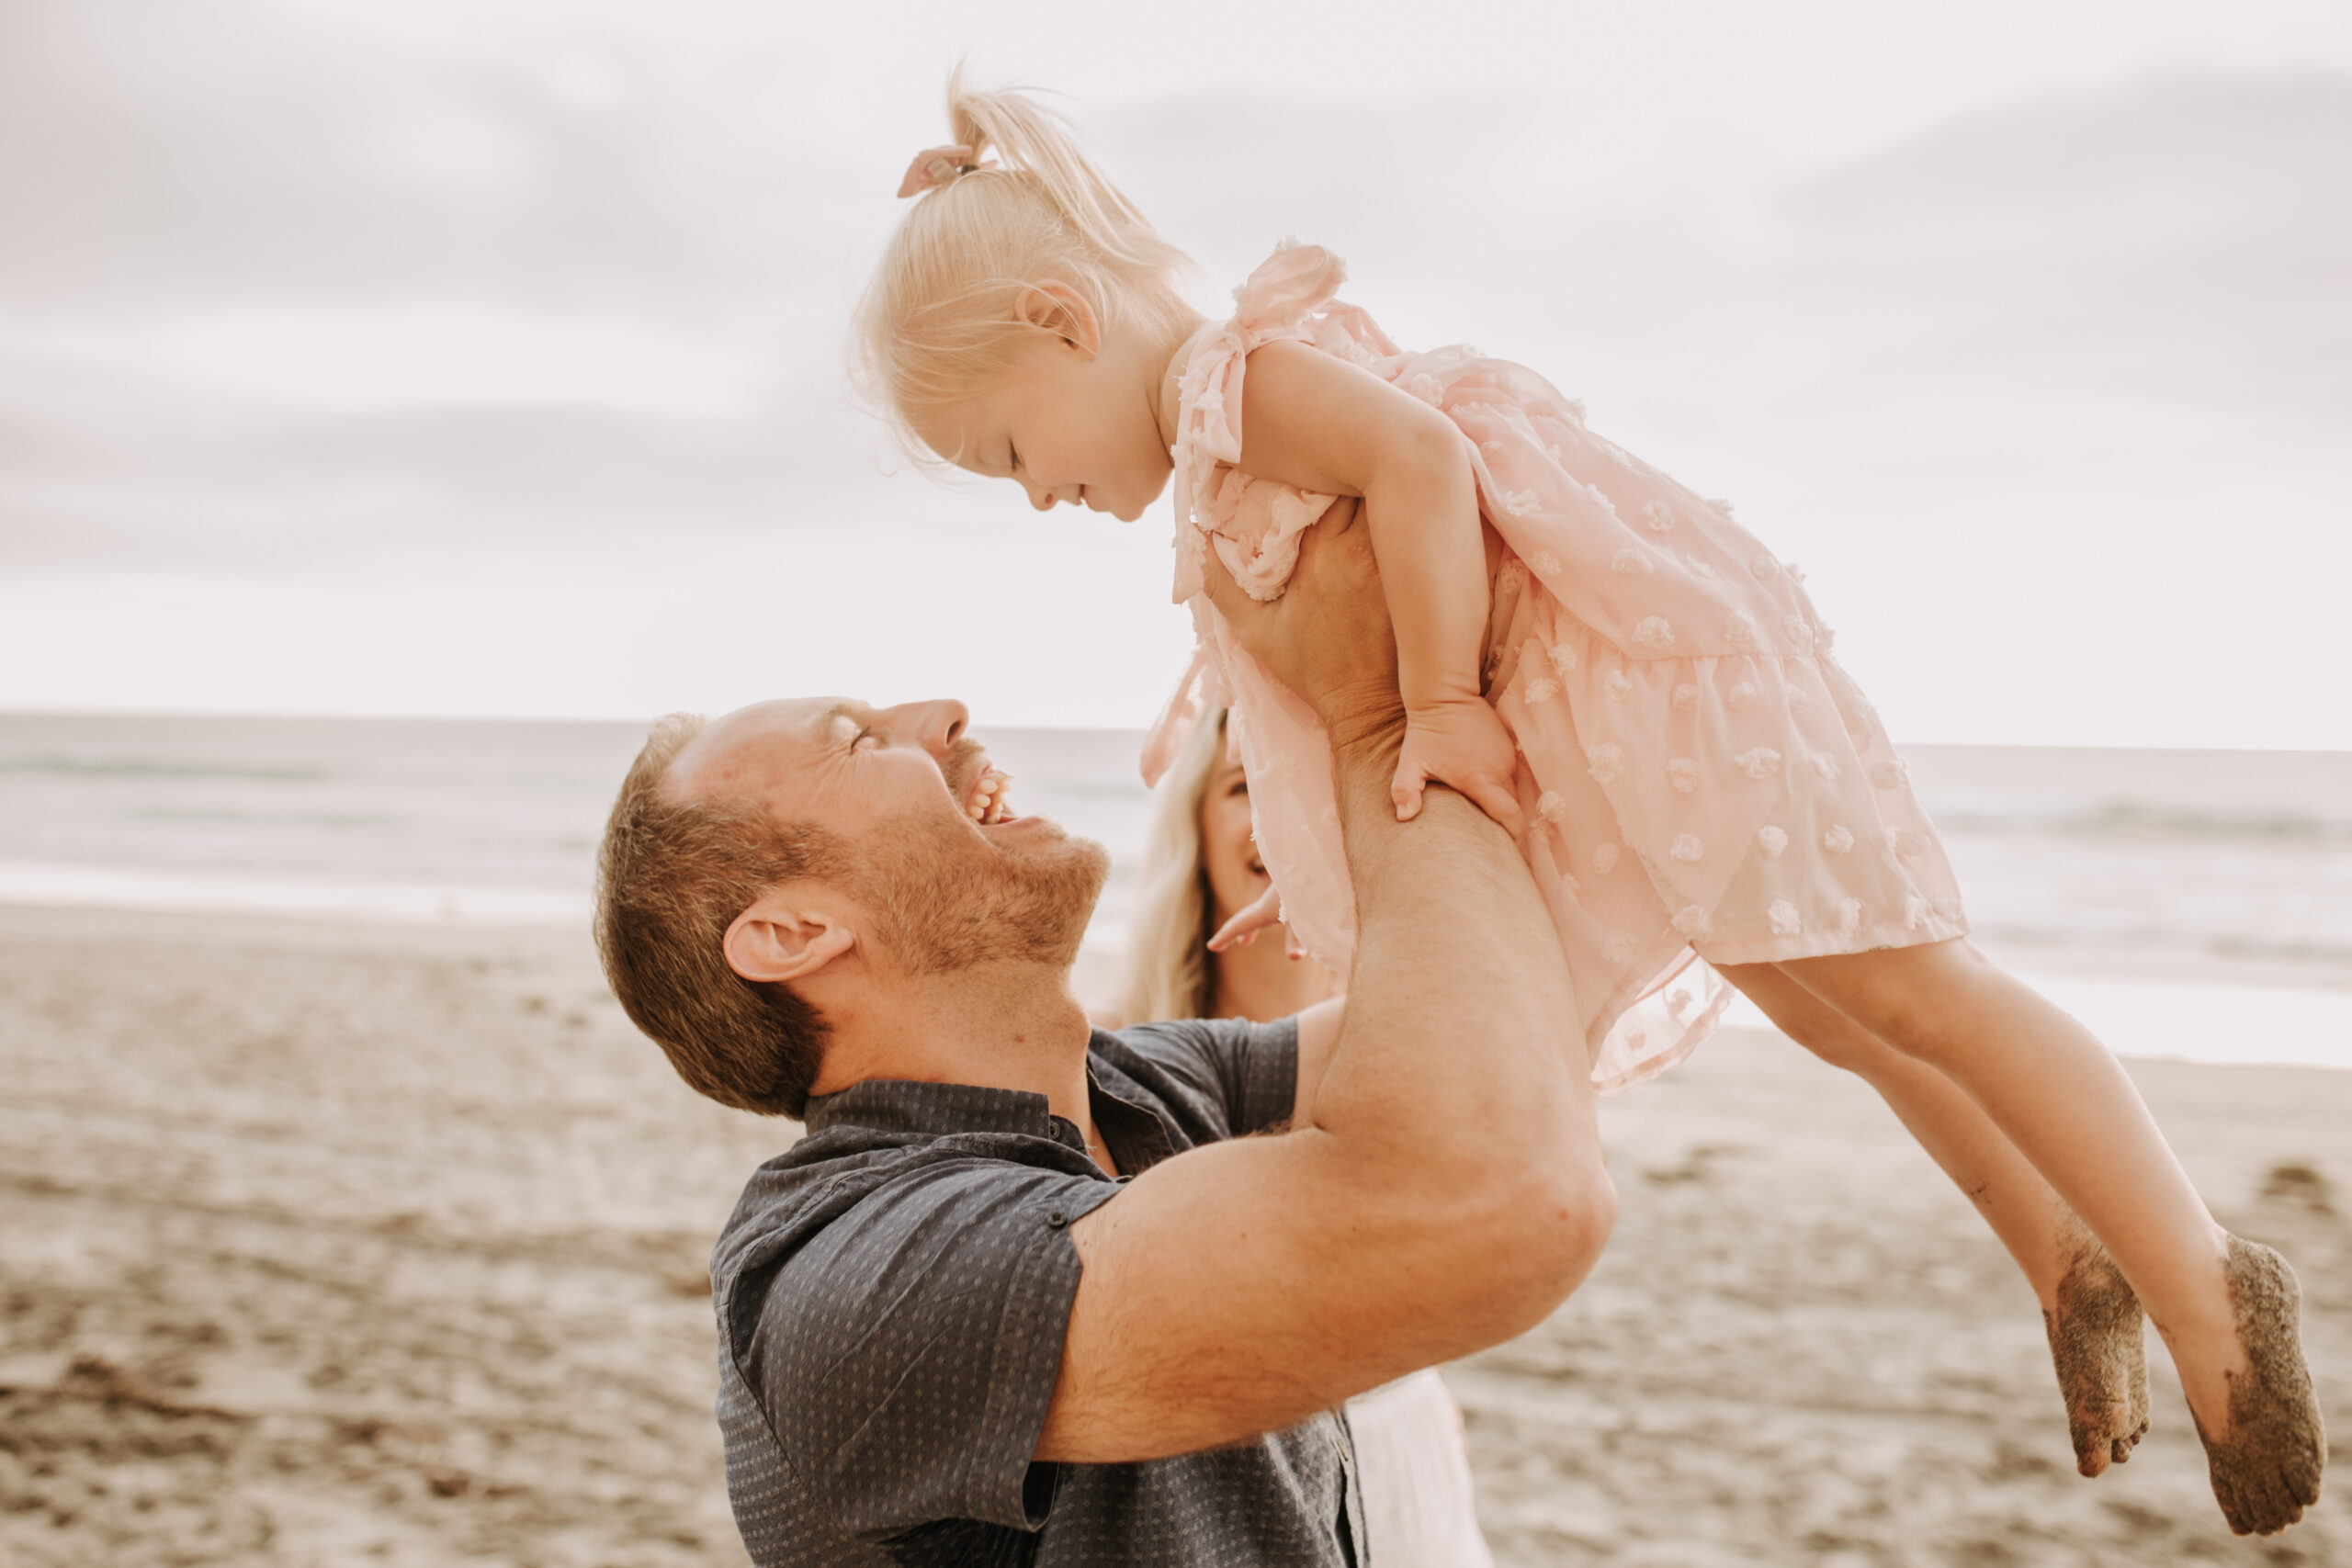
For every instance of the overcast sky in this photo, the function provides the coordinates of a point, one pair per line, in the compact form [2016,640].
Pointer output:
[467,357]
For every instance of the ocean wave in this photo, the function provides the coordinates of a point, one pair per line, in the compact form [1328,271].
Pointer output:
[217,816]
[156,768]
[2154,950]
[73,885]
[2135,820]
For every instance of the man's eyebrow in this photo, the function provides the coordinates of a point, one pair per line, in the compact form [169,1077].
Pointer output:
[838,712]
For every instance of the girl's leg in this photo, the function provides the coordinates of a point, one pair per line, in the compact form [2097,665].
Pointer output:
[2093,1319]
[2226,1310]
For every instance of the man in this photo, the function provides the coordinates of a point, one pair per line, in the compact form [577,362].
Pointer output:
[1028,1293]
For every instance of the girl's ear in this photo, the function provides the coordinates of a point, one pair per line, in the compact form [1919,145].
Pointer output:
[785,938]
[1059,309]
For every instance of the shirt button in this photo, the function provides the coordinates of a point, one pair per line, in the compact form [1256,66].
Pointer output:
[1057,1220]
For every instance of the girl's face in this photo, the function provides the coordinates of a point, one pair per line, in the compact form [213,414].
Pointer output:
[1237,874]
[1068,424]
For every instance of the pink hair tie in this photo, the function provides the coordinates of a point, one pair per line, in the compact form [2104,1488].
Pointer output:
[936,166]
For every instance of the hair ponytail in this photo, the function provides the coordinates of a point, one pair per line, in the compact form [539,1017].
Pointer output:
[1038,142]
[938,320]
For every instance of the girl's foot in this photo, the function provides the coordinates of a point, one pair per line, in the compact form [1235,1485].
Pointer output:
[2266,1466]
[2097,1341]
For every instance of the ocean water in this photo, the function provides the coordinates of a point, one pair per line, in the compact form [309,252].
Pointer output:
[2195,904]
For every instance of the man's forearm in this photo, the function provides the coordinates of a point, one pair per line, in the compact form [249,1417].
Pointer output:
[1441,1193]
[1459,993]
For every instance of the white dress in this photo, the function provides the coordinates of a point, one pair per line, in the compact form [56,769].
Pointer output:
[1418,1504]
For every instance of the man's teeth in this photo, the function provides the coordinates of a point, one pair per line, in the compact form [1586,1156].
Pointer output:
[991,802]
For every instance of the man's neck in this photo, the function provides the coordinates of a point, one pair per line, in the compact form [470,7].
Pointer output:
[1015,1026]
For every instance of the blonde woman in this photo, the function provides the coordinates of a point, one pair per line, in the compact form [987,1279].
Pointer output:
[1200,868]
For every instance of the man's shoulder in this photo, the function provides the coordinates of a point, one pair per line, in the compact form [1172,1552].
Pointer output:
[1217,1077]
[891,1302]
[815,1180]
[834,1171]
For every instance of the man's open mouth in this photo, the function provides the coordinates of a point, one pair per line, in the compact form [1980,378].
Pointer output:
[990,802]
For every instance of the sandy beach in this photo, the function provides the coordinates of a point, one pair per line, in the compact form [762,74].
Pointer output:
[332,1244]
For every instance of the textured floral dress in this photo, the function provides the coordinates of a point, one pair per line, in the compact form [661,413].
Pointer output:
[1700,779]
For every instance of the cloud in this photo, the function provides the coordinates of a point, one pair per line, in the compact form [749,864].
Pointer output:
[164,153]
[337,361]
[2181,238]
[296,306]
[276,290]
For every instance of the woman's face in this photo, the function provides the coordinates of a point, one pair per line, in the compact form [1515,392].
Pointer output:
[1236,874]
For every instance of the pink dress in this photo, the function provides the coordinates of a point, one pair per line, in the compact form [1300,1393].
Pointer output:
[1700,779]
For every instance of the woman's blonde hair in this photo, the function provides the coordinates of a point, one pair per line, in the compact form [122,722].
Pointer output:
[1169,972]
[938,323]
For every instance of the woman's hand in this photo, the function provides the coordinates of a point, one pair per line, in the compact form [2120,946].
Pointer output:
[1266,909]
[1463,744]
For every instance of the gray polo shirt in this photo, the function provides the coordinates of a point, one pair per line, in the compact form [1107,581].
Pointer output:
[892,1293]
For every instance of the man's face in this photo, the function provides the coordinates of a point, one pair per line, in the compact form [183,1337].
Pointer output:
[946,888]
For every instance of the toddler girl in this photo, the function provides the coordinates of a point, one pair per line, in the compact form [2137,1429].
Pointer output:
[1618,672]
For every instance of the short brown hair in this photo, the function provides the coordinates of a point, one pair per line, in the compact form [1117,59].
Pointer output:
[671,877]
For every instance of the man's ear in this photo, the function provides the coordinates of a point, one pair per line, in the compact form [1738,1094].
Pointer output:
[785,936]
[1059,309]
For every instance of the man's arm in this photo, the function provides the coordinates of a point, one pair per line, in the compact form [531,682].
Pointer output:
[1318,1036]
[1441,1189]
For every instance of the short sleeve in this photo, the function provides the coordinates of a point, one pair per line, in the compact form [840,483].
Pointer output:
[1228,1075]
[907,1353]
[1278,301]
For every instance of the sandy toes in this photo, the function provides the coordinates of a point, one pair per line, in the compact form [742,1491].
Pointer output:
[2098,1342]
[2265,1469]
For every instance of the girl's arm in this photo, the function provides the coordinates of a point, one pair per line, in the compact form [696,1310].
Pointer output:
[1323,425]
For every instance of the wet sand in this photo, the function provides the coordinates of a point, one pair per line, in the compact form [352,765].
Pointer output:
[325,1245]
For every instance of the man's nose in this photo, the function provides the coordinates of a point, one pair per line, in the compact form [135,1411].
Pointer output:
[1044,500]
[934,726]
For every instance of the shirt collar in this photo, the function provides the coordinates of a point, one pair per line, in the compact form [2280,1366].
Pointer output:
[902,1105]
[1123,1113]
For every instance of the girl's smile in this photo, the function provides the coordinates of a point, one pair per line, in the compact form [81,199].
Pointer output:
[1075,417]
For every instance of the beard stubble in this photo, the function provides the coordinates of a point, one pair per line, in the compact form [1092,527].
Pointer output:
[944,903]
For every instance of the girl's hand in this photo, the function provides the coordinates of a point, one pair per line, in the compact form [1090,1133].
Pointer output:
[1265,910]
[1463,744]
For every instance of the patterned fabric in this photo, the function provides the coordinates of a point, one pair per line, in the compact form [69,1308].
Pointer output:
[892,1294]
[1702,778]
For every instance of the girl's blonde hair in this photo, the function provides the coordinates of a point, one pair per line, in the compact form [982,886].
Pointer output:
[938,323]
[1169,974]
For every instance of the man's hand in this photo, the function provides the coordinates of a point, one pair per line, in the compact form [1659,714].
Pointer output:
[1327,637]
